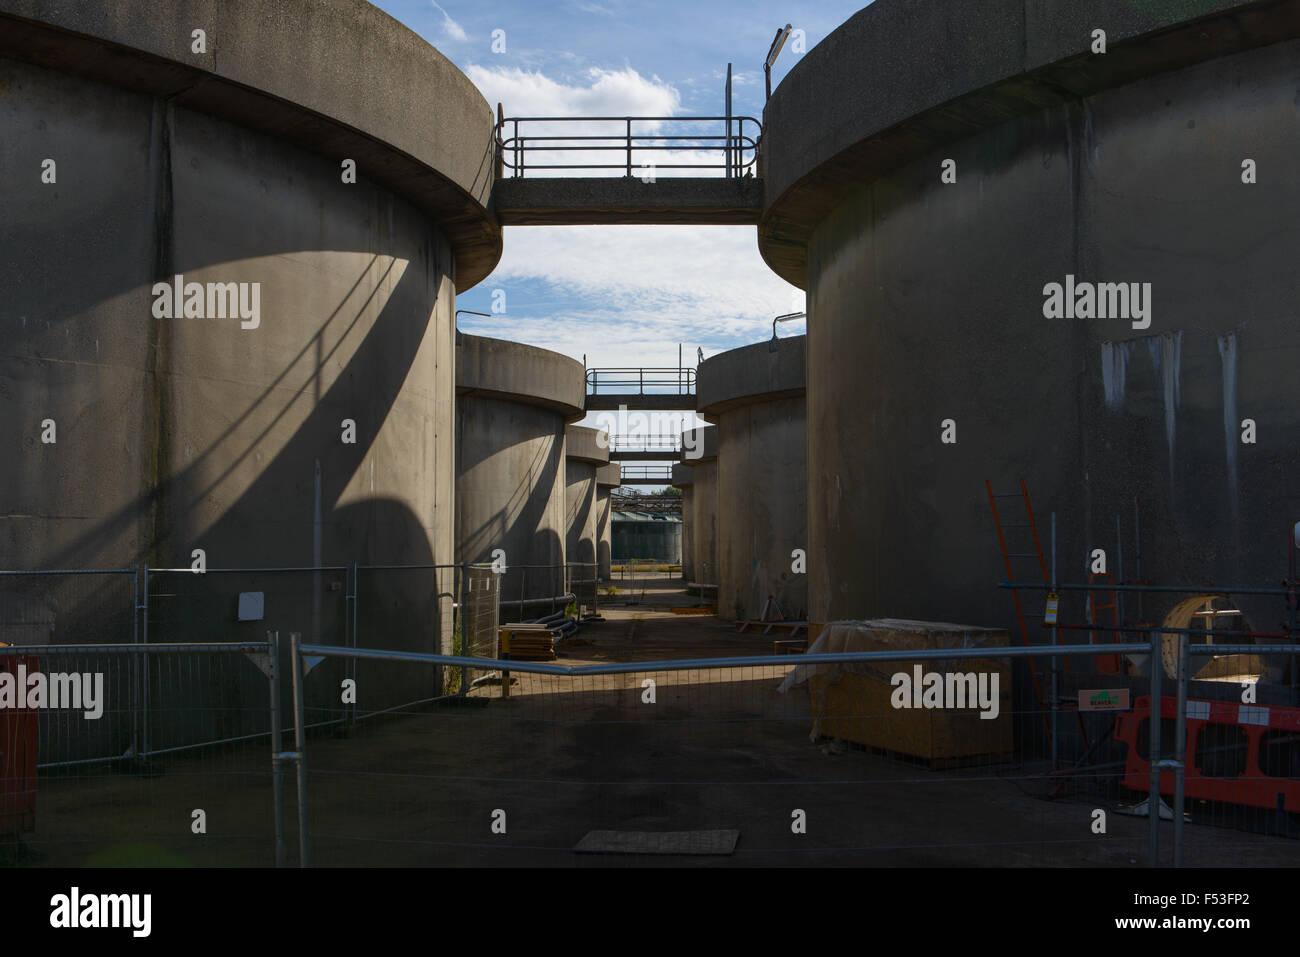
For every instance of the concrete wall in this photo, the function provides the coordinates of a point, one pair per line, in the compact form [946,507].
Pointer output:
[756,398]
[513,402]
[584,456]
[703,515]
[183,433]
[926,303]
[608,477]
[684,479]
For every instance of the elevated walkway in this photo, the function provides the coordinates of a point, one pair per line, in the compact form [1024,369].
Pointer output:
[563,171]
[641,389]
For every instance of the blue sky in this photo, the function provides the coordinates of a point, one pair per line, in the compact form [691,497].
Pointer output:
[625,295]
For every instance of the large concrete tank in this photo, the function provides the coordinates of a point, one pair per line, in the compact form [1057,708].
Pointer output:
[700,455]
[143,171]
[586,453]
[927,298]
[755,395]
[608,478]
[684,479]
[514,402]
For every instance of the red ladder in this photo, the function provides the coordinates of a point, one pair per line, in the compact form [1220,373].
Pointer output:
[1037,553]
[1106,664]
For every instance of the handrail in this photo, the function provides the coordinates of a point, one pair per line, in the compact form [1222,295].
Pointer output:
[736,143]
[648,473]
[649,443]
[681,379]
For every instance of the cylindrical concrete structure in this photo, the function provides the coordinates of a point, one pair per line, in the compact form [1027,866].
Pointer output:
[608,477]
[684,479]
[514,402]
[935,357]
[231,264]
[756,397]
[586,451]
[700,455]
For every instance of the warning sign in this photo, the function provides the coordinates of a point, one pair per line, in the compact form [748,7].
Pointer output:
[1108,699]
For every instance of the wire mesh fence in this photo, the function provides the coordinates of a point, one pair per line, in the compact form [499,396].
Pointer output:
[168,805]
[812,760]
[907,757]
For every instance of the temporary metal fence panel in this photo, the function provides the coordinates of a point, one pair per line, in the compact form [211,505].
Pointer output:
[724,745]
[70,608]
[171,806]
[236,604]
[481,612]
[411,607]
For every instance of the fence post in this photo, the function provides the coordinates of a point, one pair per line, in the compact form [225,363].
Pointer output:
[352,662]
[137,660]
[277,744]
[1180,744]
[629,147]
[460,609]
[300,747]
[144,672]
[1153,749]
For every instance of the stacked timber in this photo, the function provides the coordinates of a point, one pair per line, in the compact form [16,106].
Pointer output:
[528,642]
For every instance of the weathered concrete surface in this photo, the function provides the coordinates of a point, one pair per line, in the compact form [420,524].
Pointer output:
[607,477]
[684,479]
[700,454]
[564,201]
[586,453]
[412,121]
[513,401]
[756,397]
[903,77]
[515,372]
[324,434]
[926,304]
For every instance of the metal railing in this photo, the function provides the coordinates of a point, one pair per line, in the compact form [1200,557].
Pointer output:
[632,139]
[647,474]
[731,741]
[636,381]
[669,444]
[716,743]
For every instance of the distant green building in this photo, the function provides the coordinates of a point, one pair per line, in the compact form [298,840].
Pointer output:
[652,536]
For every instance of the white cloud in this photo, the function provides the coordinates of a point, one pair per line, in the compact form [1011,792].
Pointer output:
[450,26]
[608,93]
[639,290]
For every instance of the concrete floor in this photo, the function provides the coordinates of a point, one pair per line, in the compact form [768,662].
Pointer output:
[562,756]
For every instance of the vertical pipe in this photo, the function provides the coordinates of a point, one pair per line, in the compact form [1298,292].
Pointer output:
[144,673]
[136,660]
[1137,548]
[1180,745]
[316,550]
[462,609]
[1153,749]
[300,747]
[727,148]
[352,662]
[277,745]
[500,153]
[1291,607]
[1118,597]
[1055,685]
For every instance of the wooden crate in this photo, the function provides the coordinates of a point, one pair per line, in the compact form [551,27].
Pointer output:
[858,707]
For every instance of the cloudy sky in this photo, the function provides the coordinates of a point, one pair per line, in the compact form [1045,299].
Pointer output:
[625,295]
